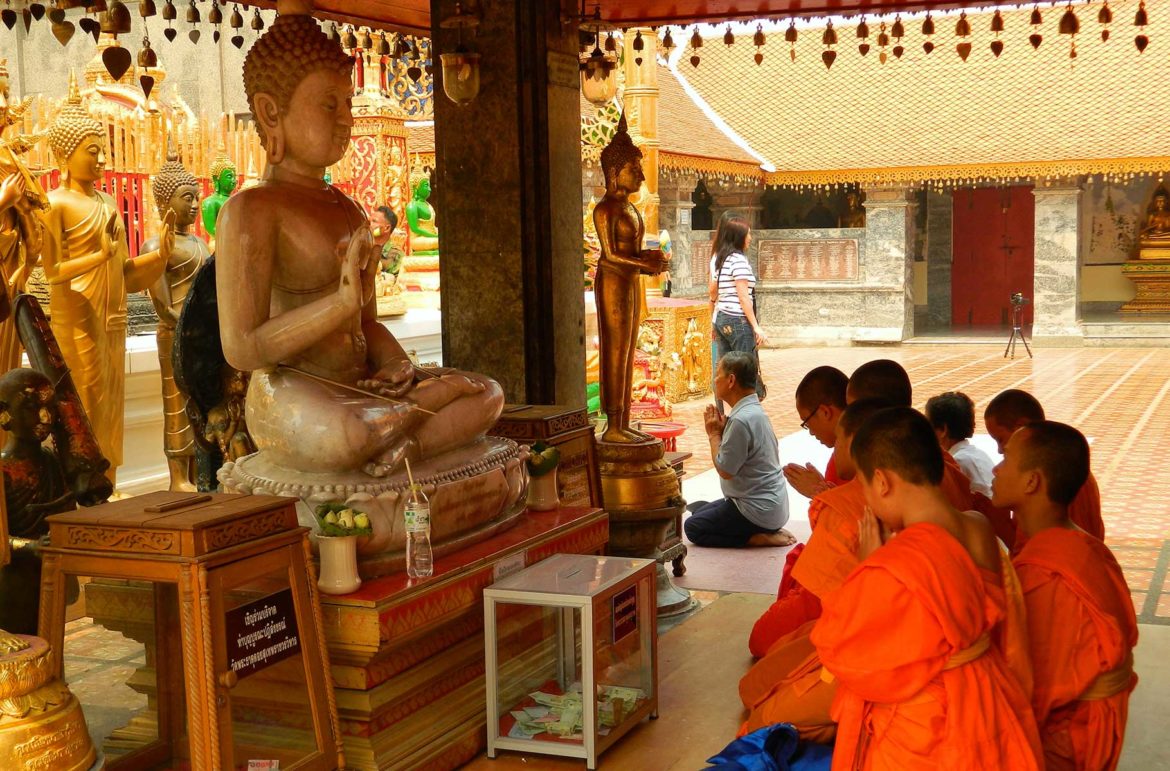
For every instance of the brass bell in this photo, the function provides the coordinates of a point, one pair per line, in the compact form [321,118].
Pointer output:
[215,15]
[146,8]
[237,20]
[147,58]
[383,45]
[169,12]
[116,19]
[365,41]
[257,22]
[193,16]
[349,40]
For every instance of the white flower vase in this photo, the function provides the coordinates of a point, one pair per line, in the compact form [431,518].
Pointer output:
[339,568]
[542,492]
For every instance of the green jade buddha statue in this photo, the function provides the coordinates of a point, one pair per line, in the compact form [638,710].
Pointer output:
[420,215]
[223,178]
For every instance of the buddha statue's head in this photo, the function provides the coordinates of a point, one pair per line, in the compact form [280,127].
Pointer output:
[27,404]
[299,88]
[176,189]
[422,188]
[223,174]
[621,162]
[1161,197]
[77,140]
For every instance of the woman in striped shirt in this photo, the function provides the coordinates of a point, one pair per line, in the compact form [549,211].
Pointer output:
[732,293]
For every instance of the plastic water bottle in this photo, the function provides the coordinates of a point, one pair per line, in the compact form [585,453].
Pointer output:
[419,563]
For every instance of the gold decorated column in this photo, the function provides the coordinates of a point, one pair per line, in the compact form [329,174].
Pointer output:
[640,102]
[378,159]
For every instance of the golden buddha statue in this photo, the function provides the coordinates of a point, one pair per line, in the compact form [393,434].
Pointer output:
[21,200]
[89,270]
[332,391]
[1154,237]
[617,287]
[176,194]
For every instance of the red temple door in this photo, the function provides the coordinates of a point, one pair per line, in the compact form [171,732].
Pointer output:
[993,254]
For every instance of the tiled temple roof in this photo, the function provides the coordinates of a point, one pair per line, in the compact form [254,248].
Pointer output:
[928,117]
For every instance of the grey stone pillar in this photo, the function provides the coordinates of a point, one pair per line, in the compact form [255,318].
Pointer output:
[674,208]
[1057,285]
[509,203]
[889,265]
[939,257]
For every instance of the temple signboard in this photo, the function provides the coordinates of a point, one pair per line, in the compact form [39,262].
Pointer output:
[819,259]
[700,263]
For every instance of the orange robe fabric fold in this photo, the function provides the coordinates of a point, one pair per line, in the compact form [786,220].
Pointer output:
[814,568]
[920,687]
[955,485]
[1082,627]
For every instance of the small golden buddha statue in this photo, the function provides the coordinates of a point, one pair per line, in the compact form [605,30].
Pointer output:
[176,194]
[1155,234]
[89,270]
[854,214]
[21,201]
[295,280]
[617,287]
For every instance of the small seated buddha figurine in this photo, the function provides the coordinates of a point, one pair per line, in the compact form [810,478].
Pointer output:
[34,488]
[854,214]
[21,201]
[89,270]
[1155,234]
[617,287]
[224,177]
[331,389]
[424,236]
[176,193]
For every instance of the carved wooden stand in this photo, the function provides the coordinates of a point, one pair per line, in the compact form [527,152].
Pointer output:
[209,548]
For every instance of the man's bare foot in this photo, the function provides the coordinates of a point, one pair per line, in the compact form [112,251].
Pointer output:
[463,385]
[780,538]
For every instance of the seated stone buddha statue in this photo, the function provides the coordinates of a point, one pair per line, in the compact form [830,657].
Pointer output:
[1156,230]
[331,389]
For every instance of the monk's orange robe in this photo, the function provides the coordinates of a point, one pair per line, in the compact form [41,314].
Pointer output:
[817,567]
[955,485]
[921,686]
[1083,630]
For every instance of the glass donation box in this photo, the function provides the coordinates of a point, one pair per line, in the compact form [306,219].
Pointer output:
[571,649]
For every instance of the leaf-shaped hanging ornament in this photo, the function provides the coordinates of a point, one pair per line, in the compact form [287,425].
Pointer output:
[1035,39]
[147,83]
[758,57]
[1141,41]
[63,31]
[694,60]
[997,47]
[117,60]
[828,56]
[9,17]
[170,33]
[238,41]
[56,15]
[964,50]
[194,35]
[37,10]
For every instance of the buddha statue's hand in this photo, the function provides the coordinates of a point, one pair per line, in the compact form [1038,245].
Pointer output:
[353,265]
[166,239]
[11,190]
[395,379]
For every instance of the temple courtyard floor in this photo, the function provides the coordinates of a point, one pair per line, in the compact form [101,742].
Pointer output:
[1120,398]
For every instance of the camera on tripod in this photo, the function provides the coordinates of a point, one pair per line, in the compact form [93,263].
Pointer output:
[1018,299]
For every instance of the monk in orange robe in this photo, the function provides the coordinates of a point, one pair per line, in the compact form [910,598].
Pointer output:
[1013,409]
[908,634]
[1081,619]
[831,551]
[820,400]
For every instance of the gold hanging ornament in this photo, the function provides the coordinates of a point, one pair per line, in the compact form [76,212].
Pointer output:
[897,32]
[1140,20]
[193,19]
[696,44]
[963,29]
[236,22]
[829,38]
[639,45]
[883,40]
[215,17]
[728,38]
[667,41]
[1104,18]
[169,14]
[1070,25]
[997,27]
[759,39]
[790,39]
[928,30]
[863,36]
[1036,38]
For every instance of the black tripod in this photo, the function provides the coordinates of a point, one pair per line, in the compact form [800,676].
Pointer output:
[1018,302]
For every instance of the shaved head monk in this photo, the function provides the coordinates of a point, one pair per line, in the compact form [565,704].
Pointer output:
[786,684]
[1014,409]
[886,379]
[820,399]
[831,552]
[908,635]
[880,379]
[1081,622]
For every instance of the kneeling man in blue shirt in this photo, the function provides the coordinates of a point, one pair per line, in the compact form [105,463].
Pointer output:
[754,508]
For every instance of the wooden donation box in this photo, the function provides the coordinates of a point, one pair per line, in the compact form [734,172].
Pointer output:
[240,668]
[571,649]
[566,428]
